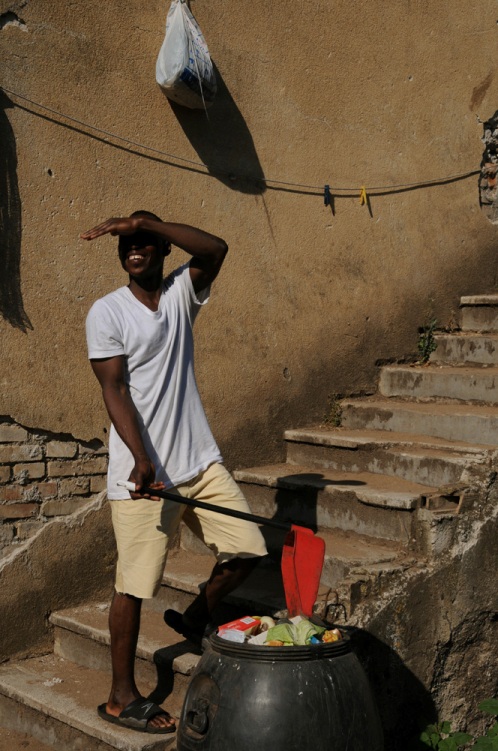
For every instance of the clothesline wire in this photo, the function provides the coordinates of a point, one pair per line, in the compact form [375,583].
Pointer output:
[380,190]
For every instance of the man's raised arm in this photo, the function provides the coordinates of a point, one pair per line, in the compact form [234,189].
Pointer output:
[208,251]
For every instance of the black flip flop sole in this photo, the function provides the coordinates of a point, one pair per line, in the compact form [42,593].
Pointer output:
[104,715]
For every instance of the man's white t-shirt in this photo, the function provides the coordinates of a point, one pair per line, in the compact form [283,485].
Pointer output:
[159,367]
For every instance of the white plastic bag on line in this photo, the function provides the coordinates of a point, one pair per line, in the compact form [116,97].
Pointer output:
[184,69]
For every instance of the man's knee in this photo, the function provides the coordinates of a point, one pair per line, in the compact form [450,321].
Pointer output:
[244,563]
[126,596]
[236,567]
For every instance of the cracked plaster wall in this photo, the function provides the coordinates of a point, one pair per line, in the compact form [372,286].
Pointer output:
[55,569]
[429,645]
[43,476]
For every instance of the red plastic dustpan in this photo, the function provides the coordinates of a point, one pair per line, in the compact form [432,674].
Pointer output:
[302,552]
[302,562]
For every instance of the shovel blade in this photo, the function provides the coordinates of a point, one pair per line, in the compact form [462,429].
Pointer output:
[302,562]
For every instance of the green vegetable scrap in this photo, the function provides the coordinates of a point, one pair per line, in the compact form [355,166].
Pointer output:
[282,633]
[291,634]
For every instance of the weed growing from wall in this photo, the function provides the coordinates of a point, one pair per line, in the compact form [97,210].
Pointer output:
[426,341]
[333,416]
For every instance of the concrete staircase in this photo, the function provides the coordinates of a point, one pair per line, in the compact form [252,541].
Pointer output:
[379,489]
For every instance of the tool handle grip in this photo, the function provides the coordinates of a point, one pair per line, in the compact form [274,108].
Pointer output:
[208,506]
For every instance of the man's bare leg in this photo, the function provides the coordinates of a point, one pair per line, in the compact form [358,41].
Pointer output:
[124,626]
[225,577]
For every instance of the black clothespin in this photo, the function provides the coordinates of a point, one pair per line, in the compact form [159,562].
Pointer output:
[326,195]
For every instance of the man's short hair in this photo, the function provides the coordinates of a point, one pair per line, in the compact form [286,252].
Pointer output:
[166,246]
[146,213]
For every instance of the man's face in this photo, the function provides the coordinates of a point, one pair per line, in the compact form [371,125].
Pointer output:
[142,254]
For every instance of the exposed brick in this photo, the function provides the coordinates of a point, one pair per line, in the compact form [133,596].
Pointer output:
[63,469]
[33,492]
[74,486]
[86,450]
[26,529]
[95,466]
[32,471]
[12,433]
[61,449]
[18,510]
[62,508]
[25,453]
[11,493]
[6,534]
[48,489]
[4,474]
[97,484]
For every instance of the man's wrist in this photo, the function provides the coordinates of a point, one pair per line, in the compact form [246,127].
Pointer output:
[140,458]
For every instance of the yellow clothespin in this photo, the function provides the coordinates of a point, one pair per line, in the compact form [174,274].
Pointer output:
[363,196]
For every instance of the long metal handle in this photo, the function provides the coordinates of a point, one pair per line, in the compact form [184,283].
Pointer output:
[208,506]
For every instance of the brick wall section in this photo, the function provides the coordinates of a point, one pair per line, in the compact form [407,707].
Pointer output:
[42,476]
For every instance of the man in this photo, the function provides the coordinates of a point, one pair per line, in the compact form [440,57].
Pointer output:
[140,345]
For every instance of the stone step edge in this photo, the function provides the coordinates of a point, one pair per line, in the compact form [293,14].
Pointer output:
[182,582]
[463,339]
[449,407]
[397,558]
[440,335]
[402,500]
[445,369]
[343,438]
[479,300]
[69,712]
[330,537]
[356,575]
[183,664]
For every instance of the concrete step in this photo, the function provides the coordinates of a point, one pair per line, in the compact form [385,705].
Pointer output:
[263,591]
[55,701]
[370,504]
[414,458]
[440,381]
[479,313]
[465,348]
[263,594]
[452,422]
[13,740]
[164,659]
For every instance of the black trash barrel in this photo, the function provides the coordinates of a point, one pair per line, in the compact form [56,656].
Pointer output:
[255,698]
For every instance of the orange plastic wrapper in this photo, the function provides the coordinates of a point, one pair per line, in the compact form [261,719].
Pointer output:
[331,635]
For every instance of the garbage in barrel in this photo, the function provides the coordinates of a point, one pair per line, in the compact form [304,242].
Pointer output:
[254,697]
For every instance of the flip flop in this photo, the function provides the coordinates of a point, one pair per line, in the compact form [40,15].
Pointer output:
[174,620]
[136,716]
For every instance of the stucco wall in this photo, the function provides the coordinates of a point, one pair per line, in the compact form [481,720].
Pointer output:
[349,94]
[428,637]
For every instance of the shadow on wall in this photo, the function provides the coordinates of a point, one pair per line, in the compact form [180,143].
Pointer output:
[223,142]
[405,706]
[11,304]
[297,496]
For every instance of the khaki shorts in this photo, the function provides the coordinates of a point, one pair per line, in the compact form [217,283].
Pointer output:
[144,529]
